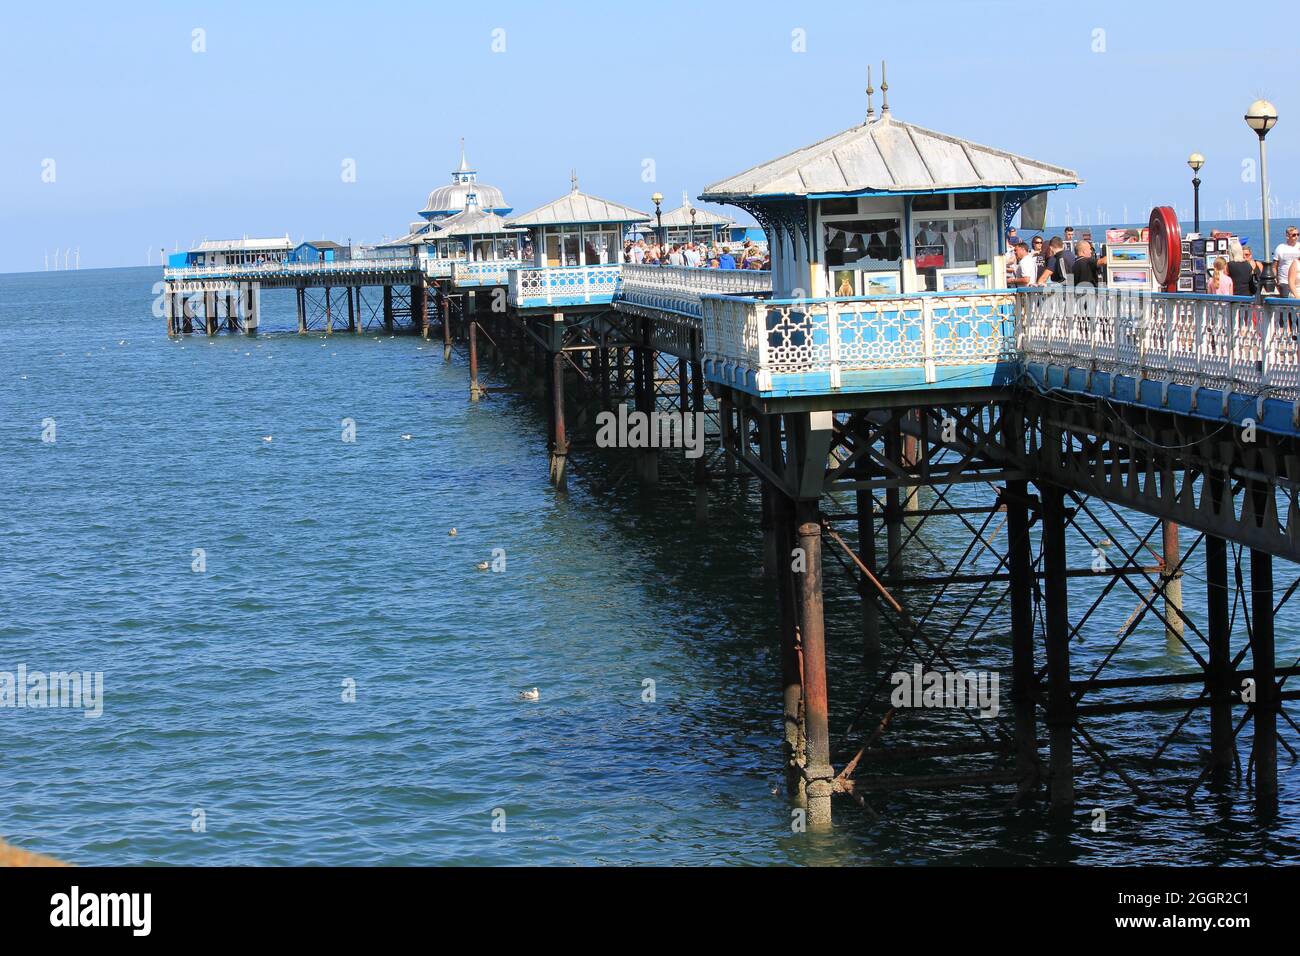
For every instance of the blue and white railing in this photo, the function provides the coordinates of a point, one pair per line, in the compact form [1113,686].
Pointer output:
[1204,349]
[542,286]
[678,289]
[253,270]
[784,347]
[484,272]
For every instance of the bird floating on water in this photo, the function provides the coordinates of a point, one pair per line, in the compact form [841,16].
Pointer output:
[483,565]
[531,694]
[452,533]
[406,436]
[266,438]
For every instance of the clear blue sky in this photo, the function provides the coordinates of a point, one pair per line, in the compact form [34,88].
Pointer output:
[154,144]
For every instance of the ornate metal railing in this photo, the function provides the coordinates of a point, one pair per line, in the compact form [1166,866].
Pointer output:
[486,272]
[403,264]
[437,268]
[758,340]
[564,285]
[1228,343]
[679,288]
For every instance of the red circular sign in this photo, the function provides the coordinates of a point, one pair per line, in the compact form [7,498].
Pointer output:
[1166,247]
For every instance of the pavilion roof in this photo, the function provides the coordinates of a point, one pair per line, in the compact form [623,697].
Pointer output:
[889,156]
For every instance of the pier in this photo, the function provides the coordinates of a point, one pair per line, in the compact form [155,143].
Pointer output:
[884,389]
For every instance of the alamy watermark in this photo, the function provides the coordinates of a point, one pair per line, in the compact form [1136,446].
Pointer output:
[637,429]
[37,690]
[921,688]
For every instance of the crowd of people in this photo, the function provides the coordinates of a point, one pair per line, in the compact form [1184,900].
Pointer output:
[1065,259]
[696,255]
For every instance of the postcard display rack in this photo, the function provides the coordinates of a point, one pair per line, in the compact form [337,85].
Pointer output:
[1128,259]
[1199,254]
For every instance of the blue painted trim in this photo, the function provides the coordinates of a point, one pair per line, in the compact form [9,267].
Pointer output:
[1206,404]
[1043,188]
[539,301]
[861,298]
[802,385]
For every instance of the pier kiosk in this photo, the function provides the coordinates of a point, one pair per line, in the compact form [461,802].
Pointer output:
[681,227]
[564,299]
[888,258]
[478,235]
[578,229]
[888,208]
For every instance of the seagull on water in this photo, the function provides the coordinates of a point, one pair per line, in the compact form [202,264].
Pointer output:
[266,438]
[452,533]
[406,436]
[530,694]
[482,565]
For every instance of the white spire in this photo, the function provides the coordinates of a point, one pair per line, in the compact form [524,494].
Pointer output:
[464,166]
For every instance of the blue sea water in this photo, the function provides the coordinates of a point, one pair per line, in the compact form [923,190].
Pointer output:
[329,565]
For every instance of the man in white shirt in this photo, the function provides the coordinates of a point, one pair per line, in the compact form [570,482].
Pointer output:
[691,255]
[1026,266]
[1285,254]
[638,252]
[675,258]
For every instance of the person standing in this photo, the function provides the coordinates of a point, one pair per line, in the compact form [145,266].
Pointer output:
[1054,268]
[1026,267]
[1285,254]
[1068,249]
[1220,283]
[1086,270]
[726,260]
[1242,272]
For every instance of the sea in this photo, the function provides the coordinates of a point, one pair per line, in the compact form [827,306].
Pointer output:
[302,664]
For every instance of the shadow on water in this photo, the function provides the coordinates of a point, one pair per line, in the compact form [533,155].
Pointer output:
[708,575]
[330,559]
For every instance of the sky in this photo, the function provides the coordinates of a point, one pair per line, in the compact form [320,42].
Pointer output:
[125,131]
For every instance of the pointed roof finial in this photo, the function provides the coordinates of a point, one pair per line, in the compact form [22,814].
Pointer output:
[884,90]
[871,112]
[573,180]
[464,166]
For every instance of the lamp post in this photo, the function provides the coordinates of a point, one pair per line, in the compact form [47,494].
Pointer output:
[693,212]
[1262,117]
[657,199]
[1196,161]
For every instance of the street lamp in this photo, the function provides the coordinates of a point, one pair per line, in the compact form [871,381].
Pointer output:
[1262,117]
[693,212]
[658,198]
[1196,161]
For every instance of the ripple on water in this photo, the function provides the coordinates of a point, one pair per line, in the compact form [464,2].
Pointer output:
[330,574]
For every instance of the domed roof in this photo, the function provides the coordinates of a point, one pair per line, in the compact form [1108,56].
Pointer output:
[451,199]
[446,200]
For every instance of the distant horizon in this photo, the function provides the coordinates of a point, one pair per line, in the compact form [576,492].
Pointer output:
[1056,229]
[181,123]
